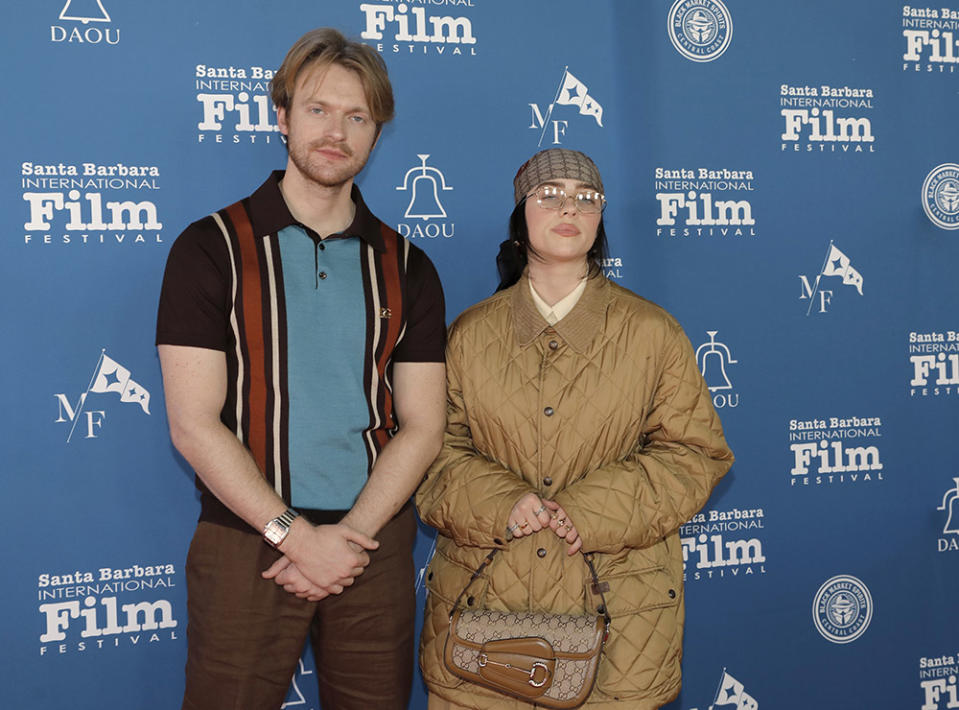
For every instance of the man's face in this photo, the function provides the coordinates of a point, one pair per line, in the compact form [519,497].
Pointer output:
[328,126]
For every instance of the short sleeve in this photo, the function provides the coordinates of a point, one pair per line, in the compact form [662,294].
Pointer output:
[194,298]
[425,336]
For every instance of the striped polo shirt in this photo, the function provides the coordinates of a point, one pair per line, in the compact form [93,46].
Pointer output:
[310,329]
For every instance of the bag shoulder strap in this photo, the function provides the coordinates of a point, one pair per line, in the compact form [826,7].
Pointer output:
[587,557]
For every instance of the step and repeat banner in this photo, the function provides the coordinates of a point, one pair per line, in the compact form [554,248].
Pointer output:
[782,177]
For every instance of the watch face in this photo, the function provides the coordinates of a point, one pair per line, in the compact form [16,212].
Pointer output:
[274,532]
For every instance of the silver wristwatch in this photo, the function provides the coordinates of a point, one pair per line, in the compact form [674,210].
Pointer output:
[277,529]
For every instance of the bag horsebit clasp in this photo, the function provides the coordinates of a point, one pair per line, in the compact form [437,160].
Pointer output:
[537,665]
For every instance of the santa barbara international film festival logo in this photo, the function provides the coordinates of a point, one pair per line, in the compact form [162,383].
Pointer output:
[403,27]
[691,204]
[842,609]
[424,185]
[835,264]
[714,359]
[84,22]
[723,544]
[826,119]
[949,542]
[109,376]
[834,450]
[940,196]
[570,92]
[89,204]
[700,30]
[234,105]
[937,681]
[84,610]
[933,363]
[732,695]
[931,36]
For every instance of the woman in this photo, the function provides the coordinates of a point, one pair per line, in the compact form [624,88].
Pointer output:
[577,420]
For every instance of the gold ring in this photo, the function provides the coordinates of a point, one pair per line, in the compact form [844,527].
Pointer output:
[525,525]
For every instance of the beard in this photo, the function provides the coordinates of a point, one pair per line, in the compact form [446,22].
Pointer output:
[319,170]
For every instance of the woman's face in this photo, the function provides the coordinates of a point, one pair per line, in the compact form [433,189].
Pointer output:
[561,235]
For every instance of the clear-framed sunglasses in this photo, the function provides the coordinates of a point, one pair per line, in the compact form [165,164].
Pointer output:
[550,197]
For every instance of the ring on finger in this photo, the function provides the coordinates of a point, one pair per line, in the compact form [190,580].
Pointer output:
[539,510]
[562,522]
[513,528]
[525,524]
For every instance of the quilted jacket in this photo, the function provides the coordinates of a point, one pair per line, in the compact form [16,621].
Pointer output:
[607,414]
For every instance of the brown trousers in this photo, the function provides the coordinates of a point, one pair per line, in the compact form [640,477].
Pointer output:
[245,634]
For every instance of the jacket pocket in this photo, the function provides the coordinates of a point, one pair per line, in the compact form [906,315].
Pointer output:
[643,652]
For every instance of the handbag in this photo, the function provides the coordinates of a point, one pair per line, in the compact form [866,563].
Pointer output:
[546,659]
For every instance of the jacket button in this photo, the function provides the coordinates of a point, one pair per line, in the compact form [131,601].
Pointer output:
[430,576]
[541,552]
[547,481]
[553,345]
[322,274]
[548,411]
[497,541]
[672,593]
[601,609]
[469,601]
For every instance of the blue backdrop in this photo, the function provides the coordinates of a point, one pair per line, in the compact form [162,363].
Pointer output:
[782,177]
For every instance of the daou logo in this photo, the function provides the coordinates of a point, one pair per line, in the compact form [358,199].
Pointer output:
[424,184]
[713,358]
[84,12]
[950,508]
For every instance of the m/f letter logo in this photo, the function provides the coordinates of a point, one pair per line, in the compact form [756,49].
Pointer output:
[570,92]
[836,264]
[108,376]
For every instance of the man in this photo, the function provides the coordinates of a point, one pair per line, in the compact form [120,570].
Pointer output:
[301,342]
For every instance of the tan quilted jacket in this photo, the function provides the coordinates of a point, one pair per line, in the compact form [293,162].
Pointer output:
[606,413]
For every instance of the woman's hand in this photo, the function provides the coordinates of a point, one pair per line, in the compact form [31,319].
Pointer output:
[561,524]
[529,515]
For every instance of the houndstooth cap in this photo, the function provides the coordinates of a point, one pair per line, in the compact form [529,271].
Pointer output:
[555,164]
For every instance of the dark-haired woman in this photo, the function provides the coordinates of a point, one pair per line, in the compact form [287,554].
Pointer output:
[577,421]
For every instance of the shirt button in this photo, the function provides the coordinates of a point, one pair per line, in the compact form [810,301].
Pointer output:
[322,274]
[548,411]
[547,481]
[541,552]
[553,345]
[322,246]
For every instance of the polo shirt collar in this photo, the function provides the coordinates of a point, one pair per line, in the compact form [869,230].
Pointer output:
[269,213]
[580,325]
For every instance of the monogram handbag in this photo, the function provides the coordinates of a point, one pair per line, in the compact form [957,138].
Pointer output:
[546,659]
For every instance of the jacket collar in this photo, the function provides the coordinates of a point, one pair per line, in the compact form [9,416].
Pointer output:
[580,325]
[270,214]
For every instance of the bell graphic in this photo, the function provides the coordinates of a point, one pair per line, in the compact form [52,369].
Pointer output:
[424,200]
[84,11]
[950,502]
[713,363]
